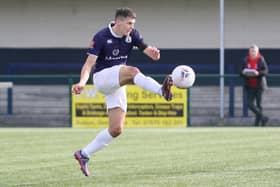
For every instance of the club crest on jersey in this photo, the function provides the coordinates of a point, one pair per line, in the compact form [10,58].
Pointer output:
[109,41]
[116,52]
[128,39]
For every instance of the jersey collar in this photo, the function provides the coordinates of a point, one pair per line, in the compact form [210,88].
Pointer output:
[112,23]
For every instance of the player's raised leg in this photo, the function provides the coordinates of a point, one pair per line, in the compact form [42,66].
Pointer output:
[130,74]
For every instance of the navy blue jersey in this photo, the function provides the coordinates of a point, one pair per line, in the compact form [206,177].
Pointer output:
[112,49]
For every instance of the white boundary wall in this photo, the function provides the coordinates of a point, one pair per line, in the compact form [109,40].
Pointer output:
[164,23]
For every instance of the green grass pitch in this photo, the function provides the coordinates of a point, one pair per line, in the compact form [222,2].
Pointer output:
[142,157]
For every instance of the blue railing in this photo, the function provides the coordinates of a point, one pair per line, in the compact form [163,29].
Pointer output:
[71,78]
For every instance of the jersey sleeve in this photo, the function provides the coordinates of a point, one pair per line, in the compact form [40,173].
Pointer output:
[138,40]
[95,46]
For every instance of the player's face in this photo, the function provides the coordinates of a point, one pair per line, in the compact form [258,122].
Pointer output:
[125,25]
[253,52]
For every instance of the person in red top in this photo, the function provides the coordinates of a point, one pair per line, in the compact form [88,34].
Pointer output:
[254,70]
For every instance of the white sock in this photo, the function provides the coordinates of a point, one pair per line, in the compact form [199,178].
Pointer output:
[101,140]
[147,83]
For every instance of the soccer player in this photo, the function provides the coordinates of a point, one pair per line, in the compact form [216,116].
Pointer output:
[107,57]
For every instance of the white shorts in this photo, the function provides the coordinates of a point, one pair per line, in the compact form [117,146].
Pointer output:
[107,82]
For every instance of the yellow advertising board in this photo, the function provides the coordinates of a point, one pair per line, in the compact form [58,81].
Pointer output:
[145,109]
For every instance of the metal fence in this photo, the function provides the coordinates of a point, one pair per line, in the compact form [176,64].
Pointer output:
[45,100]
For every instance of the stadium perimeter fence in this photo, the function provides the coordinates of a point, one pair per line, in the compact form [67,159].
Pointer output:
[45,100]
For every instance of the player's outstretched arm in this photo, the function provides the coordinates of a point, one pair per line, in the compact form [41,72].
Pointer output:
[85,73]
[152,52]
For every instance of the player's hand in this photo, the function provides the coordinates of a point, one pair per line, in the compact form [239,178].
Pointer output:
[77,88]
[155,53]
[257,73]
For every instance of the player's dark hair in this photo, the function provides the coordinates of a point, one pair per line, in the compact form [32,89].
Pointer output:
[124,13]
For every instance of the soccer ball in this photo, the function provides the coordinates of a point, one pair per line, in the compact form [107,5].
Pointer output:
[183,76]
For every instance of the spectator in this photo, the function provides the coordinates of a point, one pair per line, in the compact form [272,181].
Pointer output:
[254,70]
